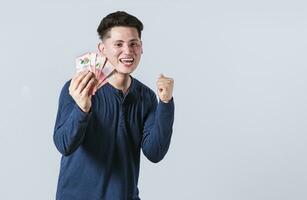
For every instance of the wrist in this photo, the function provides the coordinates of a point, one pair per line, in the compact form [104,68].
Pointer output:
[166,100]
[85,109]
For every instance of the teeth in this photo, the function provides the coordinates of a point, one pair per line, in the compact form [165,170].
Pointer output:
[127,59]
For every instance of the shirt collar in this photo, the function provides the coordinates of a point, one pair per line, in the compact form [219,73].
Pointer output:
[133,92]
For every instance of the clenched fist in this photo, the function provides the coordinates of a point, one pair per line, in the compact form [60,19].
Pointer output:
[81,88]
[165,88]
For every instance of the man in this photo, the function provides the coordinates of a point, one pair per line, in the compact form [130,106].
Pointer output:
[100,136]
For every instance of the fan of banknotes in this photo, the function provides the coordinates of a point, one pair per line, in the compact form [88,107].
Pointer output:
[96,63]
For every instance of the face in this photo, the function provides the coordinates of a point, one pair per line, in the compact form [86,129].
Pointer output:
[123,49]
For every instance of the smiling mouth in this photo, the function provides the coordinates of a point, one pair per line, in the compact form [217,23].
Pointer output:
[126,61]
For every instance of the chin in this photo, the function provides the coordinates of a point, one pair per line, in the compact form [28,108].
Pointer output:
[125,70]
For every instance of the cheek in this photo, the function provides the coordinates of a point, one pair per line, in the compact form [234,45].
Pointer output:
[112,52]
[113,56]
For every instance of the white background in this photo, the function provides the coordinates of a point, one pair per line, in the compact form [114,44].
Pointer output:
[240,91]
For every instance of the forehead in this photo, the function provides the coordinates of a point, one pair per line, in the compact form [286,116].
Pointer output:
[123,33]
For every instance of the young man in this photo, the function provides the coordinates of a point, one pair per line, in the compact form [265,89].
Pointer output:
[100,136]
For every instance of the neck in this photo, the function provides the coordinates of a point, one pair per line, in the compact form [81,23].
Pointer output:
[120,81]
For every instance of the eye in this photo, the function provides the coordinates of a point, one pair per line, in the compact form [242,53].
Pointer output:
[134,44]
[118,44]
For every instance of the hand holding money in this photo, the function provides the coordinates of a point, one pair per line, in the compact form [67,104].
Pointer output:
[92,72]
[165,88]
[81,89]
[97,64]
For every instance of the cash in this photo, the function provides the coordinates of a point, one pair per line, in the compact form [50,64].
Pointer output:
[97,64]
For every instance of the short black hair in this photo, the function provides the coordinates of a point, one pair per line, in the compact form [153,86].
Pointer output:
[119,18]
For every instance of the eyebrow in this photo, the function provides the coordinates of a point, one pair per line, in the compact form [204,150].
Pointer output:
[132,40]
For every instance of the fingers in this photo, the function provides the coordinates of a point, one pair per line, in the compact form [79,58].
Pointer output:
[164,81]
[84,82]
[75,81]
[162,78]
[161,86]
[89,87]
[165,88]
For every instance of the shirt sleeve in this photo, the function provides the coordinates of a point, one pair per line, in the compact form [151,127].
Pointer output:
[158,128]
[71,123]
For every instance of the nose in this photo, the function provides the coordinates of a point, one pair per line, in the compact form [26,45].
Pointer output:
[127,49]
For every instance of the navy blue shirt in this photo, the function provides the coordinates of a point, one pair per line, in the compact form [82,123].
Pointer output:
[101,149]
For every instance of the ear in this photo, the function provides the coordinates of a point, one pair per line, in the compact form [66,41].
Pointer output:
[101,48]
[141,47]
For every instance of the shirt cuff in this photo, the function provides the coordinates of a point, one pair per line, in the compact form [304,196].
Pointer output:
[80,115]
[169,106]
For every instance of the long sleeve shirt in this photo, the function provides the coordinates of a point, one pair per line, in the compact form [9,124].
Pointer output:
[101,149]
